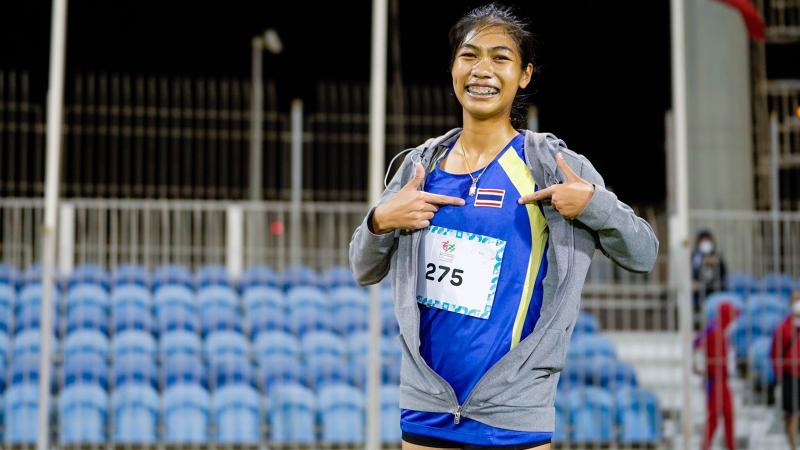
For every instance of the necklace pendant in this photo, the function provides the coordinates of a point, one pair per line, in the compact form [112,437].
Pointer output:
[473,188]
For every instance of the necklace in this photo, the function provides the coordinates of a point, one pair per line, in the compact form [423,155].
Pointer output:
[474,187]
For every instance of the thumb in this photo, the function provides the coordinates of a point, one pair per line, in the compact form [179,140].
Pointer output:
[418,177]
[568,172]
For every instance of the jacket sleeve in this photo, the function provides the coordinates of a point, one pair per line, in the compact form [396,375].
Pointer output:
[621,235]
[370,253]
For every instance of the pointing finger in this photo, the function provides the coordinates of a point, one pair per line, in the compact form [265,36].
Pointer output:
[541,194]
[443,199]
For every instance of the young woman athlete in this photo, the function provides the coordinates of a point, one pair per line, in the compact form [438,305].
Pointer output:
[487,233]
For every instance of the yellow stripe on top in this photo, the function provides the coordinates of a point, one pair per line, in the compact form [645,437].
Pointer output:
[522,179]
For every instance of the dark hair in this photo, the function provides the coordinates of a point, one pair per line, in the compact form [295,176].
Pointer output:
[502,16]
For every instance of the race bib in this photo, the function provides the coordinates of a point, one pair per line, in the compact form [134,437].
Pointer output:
[459,271]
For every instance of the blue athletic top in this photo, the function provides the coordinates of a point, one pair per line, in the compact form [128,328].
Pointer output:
[475,344]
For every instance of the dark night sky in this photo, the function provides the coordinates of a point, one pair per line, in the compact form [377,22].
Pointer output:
[603,88]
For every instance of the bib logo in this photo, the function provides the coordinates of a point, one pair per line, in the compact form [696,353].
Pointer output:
[448,251]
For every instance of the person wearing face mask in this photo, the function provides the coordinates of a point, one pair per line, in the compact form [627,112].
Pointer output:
[708,268]
[714,342]
[487,233]
[785,357]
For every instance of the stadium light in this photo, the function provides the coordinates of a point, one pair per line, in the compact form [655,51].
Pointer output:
[271,42]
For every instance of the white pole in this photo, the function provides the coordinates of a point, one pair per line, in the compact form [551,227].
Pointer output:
[679,224]
[256,119]
[377,129]
[55,97]
[776,193]
[295,237]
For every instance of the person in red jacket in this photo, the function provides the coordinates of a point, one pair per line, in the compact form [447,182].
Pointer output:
[785,357]
[714,340]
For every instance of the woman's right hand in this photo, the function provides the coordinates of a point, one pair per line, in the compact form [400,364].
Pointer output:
[410,208]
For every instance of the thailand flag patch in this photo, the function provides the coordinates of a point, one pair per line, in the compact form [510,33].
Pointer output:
[490,197]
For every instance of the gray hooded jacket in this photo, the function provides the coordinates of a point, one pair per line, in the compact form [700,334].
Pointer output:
[518,392]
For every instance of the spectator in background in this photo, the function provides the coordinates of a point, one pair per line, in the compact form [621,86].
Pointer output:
[714,340]
[708,268]
[785,356]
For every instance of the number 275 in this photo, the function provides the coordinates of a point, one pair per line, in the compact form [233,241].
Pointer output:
[455,274]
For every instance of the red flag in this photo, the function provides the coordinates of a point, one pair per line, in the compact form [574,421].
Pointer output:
[752,18]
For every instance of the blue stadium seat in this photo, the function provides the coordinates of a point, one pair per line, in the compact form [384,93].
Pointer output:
[588,346]
[338,276]
[32,275]
[274,343]
[83,414]
[350,319]
[766,323]
[3,372]
[85,369]
[758,304]
[268,319]
[131,316]
[232,369]
[300,276]
[716,299]
[638,416]
[237,413]
[316,343]
[135,368]
[390,349]
[136,409]
[187,408]
[87,317]
[133,342]
[168,275]
[257,297]
[323,370]
[306,296]
[341,409]
[778,283]
[278,369]
[184,369]
[8,296]
[292,409]
[357,345]
[577,372]
[28,343]
[307,318]
[180,343]
[212,276]
[86,341]
[612,374]
[217,296]
[5,319]
[88,274]
[222,343]
[220,318]
[21,413]
[131,295]
[390,414]
[759,360]
[586,323]
[591,415]
[742,283]
[9,275]
[130,274]
[83,294]
[173,295]
[342,297]
[5,350]
[261,276]
[177,317]
[31,297]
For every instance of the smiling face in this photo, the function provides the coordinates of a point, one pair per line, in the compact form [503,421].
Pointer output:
[487,71]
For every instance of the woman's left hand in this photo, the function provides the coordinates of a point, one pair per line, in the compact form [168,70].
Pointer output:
[568,198]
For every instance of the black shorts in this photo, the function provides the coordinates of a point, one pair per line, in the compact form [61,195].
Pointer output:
[443,443]
[790,393]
